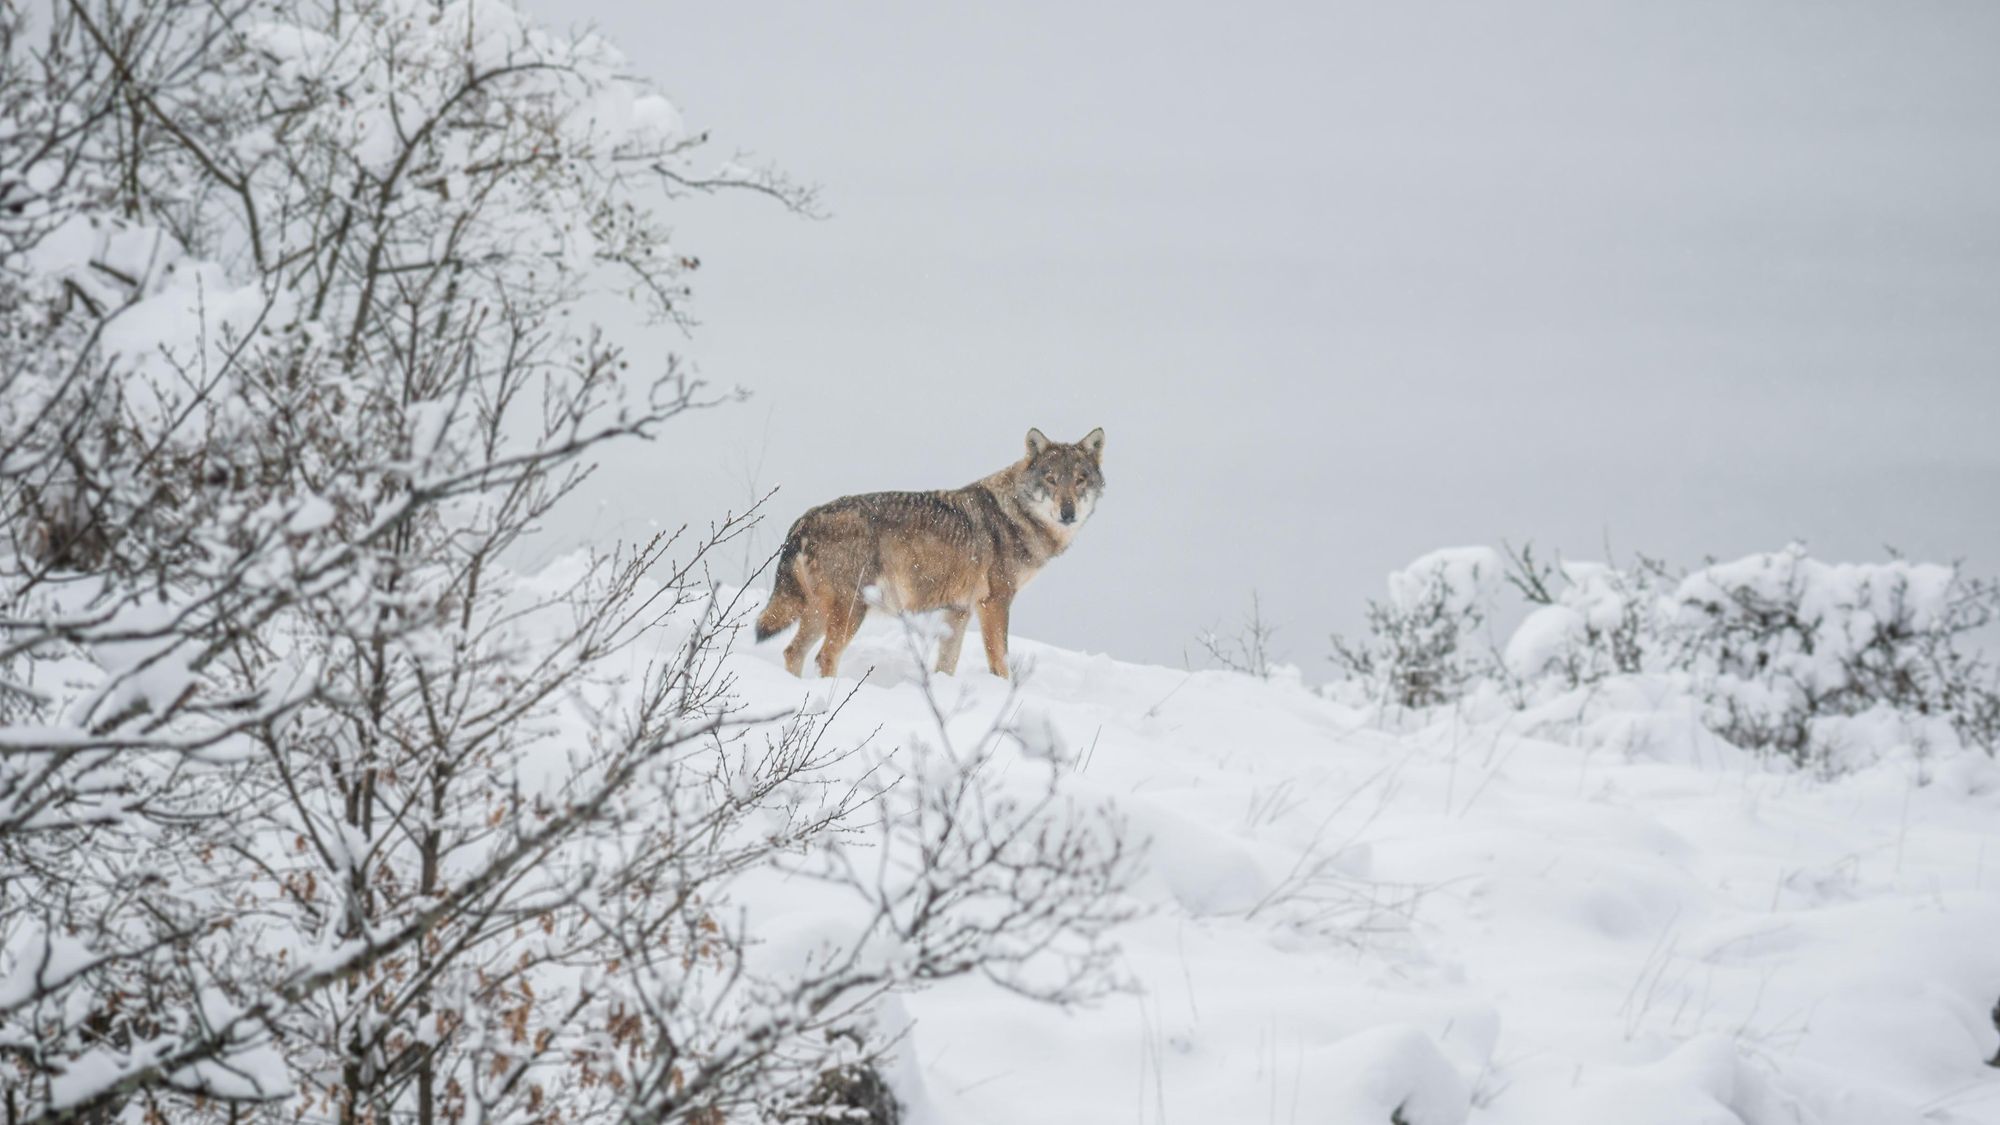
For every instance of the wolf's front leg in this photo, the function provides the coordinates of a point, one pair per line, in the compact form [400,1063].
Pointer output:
[955,618]
[993,630]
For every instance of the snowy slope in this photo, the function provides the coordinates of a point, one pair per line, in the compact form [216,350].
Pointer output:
[1461,922]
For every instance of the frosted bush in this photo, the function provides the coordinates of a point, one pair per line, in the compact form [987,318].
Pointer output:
[1778,653]
[1785,642]
[1417,653]
[1591,621]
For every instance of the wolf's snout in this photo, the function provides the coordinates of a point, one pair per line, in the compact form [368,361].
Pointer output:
[1069,511]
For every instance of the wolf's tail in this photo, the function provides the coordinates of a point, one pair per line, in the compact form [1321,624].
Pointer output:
[788,597]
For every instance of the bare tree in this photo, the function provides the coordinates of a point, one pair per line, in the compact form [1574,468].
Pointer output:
[295,810]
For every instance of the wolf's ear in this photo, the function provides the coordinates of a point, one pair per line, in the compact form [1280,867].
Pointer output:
[1037,441]
[1093,444]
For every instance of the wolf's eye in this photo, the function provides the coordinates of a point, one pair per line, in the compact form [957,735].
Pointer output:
[1050,477]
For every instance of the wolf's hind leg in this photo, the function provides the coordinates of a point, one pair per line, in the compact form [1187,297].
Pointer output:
[843,619]
[955,618]
[812,626]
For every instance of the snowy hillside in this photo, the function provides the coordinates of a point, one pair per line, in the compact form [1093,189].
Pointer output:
[1459,923]
[316,320]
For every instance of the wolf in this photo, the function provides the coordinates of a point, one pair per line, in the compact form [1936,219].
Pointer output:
[956,550]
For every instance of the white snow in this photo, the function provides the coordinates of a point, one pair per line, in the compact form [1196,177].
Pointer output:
[1588,912]
[1468,575]
[1543,638]
[312,514]
[32,959]
[657,117]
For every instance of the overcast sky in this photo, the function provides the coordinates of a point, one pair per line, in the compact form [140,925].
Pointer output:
[1345,282]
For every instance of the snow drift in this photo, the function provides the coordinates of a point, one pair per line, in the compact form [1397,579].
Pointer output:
[1465,920]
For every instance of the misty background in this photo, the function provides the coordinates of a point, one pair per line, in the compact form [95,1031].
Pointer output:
[1343,282]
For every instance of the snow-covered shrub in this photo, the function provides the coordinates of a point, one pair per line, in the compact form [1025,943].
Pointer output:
[1792,651]
[1588,621]
[1417,650]
[1778,653]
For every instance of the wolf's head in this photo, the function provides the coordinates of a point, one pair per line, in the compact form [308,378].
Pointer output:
[1061,483]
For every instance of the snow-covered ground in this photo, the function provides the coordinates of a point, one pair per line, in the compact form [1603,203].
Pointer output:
[1453,922]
